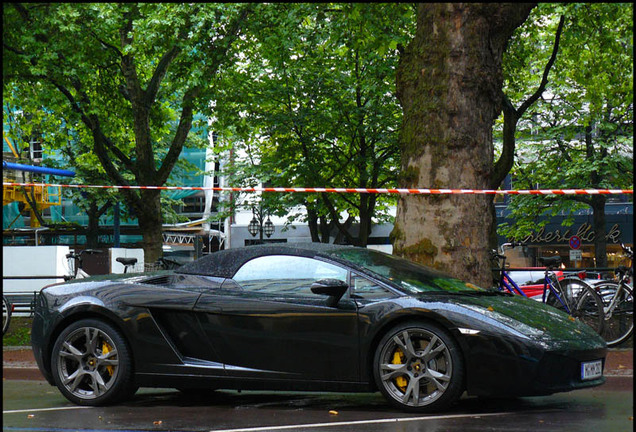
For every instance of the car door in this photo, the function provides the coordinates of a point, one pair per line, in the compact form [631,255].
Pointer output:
[161,316]
[266,322]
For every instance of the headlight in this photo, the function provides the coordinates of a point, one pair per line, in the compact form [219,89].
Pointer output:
[512,325]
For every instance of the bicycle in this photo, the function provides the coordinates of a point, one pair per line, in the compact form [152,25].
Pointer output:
[618,303]
[7,310]
[569,294]
[75,262]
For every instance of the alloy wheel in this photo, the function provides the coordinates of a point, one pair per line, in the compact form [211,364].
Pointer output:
[88,363]
[416,368]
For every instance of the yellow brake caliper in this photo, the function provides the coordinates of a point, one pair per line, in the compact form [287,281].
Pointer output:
[105,350]
[398,358]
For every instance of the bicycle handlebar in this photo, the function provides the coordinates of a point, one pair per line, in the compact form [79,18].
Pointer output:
[83,251]
[77,257]
[495,253]
[511,245]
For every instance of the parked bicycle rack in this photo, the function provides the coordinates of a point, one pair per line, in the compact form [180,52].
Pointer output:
[24,301]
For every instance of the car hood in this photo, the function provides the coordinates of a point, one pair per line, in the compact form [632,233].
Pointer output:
[524,316]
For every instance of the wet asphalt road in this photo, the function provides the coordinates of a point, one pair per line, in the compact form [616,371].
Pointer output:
[36,406]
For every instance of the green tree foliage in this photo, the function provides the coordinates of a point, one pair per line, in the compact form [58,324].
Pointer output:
[580,134]
[127,77]
[310,102]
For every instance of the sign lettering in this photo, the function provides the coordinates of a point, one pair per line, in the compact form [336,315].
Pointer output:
[584,232]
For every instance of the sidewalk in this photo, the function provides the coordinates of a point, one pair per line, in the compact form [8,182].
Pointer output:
[18,364]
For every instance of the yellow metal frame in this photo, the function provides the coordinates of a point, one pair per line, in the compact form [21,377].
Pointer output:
[10,146]
[44,198]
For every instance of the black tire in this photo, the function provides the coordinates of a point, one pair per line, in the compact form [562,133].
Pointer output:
[92,365]
[419,367]
[589,310]
[619,321]
[6,314]
[569,287]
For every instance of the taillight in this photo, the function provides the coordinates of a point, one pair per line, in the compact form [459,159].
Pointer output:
[583,274]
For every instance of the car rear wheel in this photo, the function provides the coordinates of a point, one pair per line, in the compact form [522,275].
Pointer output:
[91,364]
[418,367]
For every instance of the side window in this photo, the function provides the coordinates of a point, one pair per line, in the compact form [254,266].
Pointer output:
[285,274]
[367,289]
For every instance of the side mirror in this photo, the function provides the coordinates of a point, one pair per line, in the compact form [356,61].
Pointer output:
[334,288]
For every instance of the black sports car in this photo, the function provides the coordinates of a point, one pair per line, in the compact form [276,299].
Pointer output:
[307,317]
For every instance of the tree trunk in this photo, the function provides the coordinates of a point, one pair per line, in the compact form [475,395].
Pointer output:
[319,226]
[148,212]
[92,232]
[449,84]
[366,211]
[94,212]
[312,222]
[325,229]
[600,230]
[597,202]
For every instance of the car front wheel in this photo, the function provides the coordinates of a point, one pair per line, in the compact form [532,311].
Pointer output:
[418,367]
[91,364]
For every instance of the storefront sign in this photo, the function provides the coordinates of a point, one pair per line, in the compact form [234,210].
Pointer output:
[584,233]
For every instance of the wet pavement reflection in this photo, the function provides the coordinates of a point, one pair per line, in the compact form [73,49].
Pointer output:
[36,406]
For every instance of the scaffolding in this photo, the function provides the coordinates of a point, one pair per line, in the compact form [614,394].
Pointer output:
[40,197]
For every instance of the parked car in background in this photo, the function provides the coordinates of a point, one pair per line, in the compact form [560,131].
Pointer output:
[531,280]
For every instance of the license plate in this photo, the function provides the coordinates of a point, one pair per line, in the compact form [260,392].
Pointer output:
[591,370]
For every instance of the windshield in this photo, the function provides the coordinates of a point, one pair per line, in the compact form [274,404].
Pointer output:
[413,278]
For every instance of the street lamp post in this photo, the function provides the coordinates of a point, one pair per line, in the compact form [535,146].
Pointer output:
[258,224]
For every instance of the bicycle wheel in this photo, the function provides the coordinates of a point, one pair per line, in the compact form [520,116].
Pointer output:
[619,320]
[6,314]
[581,300]
[567,289]
[589,309]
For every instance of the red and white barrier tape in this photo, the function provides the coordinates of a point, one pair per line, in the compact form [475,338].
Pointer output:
[351,190]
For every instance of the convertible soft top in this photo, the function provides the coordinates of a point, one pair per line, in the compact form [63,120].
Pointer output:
[226,263]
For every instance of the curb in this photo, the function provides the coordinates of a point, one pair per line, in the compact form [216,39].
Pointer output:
[21,373]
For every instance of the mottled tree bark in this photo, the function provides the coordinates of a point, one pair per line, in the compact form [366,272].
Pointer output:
[449,83]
